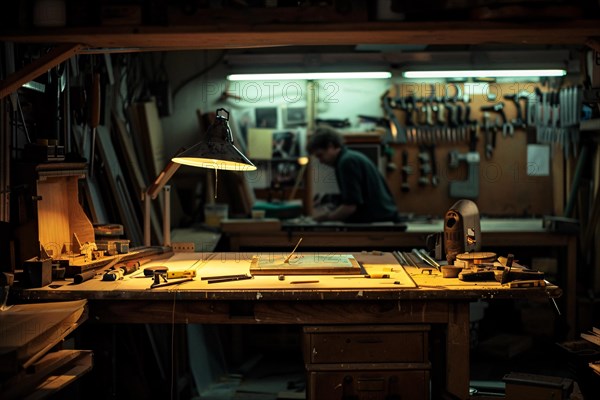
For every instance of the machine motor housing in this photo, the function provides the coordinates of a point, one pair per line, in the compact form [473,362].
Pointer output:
[462,229]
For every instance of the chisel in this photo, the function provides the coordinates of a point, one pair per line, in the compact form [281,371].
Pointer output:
[368,276]
[422,258]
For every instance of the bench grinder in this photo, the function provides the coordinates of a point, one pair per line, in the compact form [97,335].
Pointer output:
[462,230]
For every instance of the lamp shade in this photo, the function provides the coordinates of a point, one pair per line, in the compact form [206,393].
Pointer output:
[216,149]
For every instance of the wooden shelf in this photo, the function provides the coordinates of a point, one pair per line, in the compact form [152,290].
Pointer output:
[146,38]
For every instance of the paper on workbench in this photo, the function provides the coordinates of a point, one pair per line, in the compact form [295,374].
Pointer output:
[305,264]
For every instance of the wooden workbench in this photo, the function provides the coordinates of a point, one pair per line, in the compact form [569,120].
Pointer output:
[503,236]
[406,301]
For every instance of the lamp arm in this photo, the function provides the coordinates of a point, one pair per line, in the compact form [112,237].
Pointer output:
[151,193]
[161,180]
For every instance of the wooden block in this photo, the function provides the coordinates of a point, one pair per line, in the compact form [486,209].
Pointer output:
[521,386]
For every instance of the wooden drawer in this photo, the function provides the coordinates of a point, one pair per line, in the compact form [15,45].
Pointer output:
[368,385]
[365,344]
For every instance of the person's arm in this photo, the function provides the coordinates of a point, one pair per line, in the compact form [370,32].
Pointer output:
[339,214]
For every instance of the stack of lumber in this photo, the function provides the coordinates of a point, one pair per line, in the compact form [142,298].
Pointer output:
[593,337]
[30,365]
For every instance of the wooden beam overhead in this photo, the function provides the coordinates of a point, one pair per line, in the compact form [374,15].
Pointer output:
[49,60]
[249,36]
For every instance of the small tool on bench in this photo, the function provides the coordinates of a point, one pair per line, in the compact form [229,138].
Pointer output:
[368,276]
[512,274]
[161,273]
[506,272]
[527,283]
[287,259]
[170,283]
[118,271]
[229,279]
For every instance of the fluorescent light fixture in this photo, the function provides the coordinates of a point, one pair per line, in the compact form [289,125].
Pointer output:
[310,76]
[500,73]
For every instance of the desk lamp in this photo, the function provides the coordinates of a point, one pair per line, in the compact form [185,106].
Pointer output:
[215,150]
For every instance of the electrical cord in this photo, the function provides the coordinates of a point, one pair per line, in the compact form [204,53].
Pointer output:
[173,343]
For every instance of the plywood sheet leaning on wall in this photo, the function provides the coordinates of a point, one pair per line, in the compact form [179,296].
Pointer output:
[133,171]
[118,187]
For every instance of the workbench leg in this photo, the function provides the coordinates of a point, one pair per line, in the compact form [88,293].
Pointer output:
[571,290]
[457,351]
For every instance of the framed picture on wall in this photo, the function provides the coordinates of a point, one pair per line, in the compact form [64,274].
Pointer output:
[266,117]
[285,144]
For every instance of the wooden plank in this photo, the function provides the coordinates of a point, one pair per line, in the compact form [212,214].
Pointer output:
[153,136]
[47,61]
[24,382]
[31,330]
[147,131]
[77,265]
[249,36]
[118,186]
[135,176]
[126,142]
[54,383]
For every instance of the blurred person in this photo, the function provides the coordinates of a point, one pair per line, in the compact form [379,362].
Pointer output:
[365,195]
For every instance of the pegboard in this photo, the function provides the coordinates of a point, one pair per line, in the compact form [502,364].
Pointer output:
[505,188]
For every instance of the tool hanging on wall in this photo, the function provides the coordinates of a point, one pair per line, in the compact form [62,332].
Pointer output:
[424,166]
[556,116]
[406,171]
[489,135]
[435,180]
[518,121]
[396,132]
[468,188]
[507,127]
[432,119]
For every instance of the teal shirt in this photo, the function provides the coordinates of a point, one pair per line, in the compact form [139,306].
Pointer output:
[362,184]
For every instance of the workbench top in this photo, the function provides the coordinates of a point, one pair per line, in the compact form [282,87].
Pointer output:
[419,225]
[487,225]
[404,282]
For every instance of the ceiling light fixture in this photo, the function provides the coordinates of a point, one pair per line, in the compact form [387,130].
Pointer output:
[310,76]
[507,73]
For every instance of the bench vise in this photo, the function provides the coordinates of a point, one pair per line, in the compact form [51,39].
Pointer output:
[469,188]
